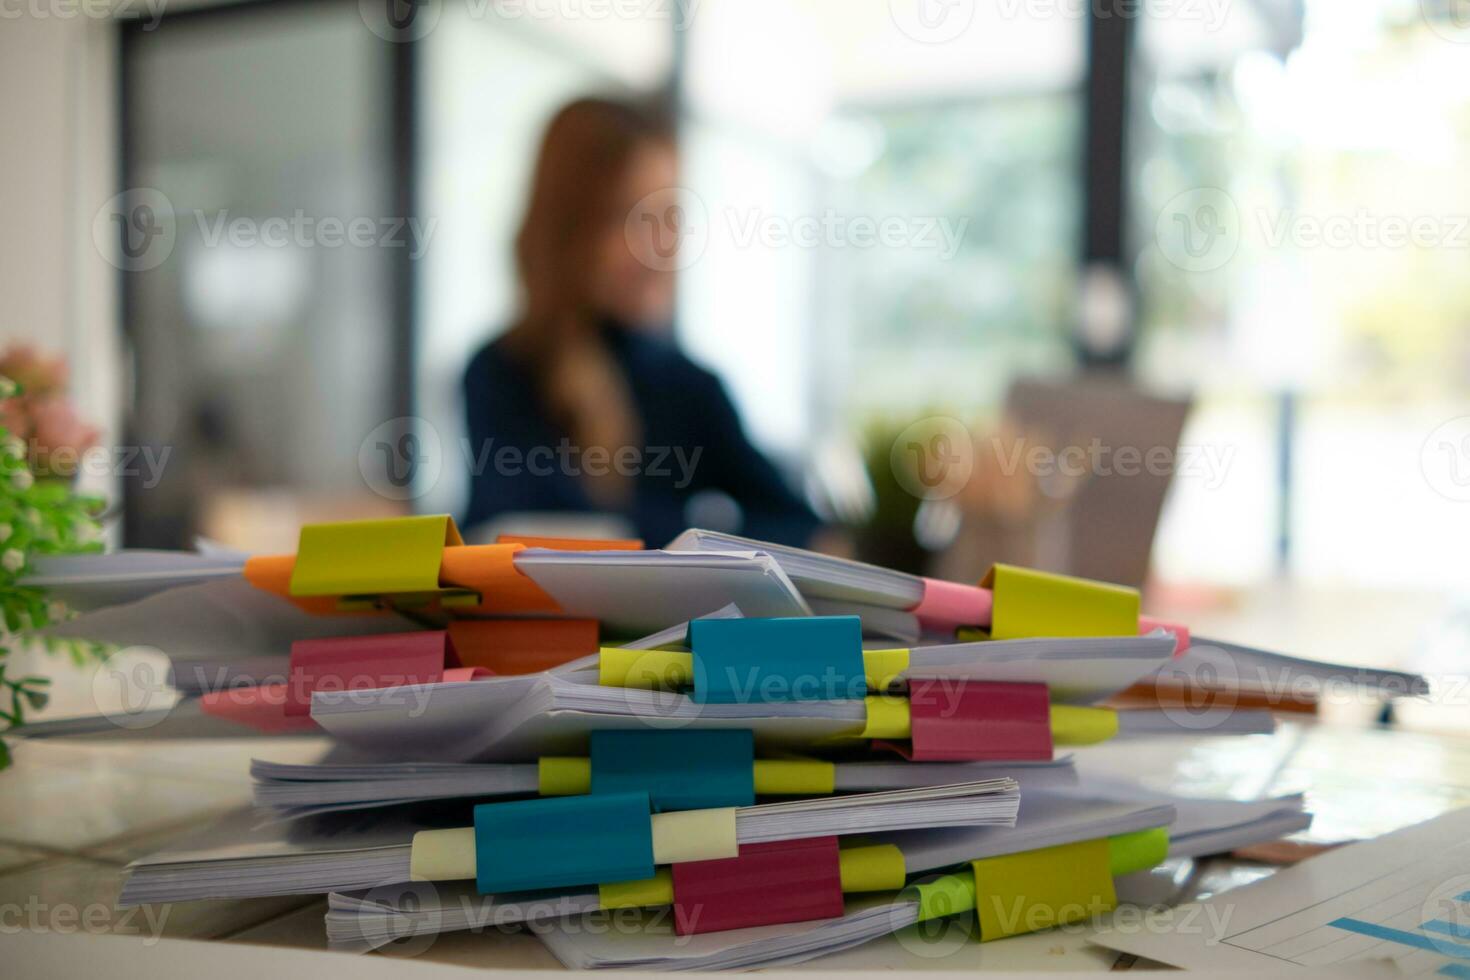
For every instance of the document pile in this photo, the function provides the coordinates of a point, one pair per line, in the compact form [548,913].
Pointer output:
[749,755]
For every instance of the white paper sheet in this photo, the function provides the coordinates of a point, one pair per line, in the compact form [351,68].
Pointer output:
[211,629]
[1080,670]
[817,575]
[93,581]
[516,719]
[1404,896]
[642,591]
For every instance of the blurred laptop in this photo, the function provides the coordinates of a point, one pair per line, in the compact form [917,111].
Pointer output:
[1101,523]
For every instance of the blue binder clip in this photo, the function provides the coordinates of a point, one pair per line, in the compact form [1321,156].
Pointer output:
[745,661]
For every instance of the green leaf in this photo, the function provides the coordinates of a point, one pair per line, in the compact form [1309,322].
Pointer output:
[46,518]
[17,712]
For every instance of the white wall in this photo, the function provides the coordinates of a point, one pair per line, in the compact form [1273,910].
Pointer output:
[57,167]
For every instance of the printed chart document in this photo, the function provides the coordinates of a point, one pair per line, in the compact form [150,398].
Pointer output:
[1404,896]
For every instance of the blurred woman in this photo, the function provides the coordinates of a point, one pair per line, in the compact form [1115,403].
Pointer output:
[585,404]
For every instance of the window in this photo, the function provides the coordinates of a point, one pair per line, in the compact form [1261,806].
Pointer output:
[257,136]
[896,197]
[1297,195]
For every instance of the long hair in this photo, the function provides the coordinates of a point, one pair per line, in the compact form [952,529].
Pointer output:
[583,159]
[583,156]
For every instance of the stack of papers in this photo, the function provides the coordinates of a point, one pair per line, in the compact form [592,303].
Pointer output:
[377,917]
[774,755]
[347,851]
[294,791]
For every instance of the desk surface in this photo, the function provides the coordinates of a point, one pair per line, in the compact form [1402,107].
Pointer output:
[73,813]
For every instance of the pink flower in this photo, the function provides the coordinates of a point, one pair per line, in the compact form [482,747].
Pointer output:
[41,417]
[15,418]
[57,427]
[57,424]
[37,374]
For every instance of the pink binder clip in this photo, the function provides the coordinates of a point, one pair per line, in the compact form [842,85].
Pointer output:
[974,721]
[347,663]
[767,884]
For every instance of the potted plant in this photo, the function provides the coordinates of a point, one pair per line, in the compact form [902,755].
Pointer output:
[42,442]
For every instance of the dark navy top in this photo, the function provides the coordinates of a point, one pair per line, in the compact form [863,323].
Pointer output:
[692,441]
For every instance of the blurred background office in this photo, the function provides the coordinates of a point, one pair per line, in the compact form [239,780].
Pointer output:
[915,235]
